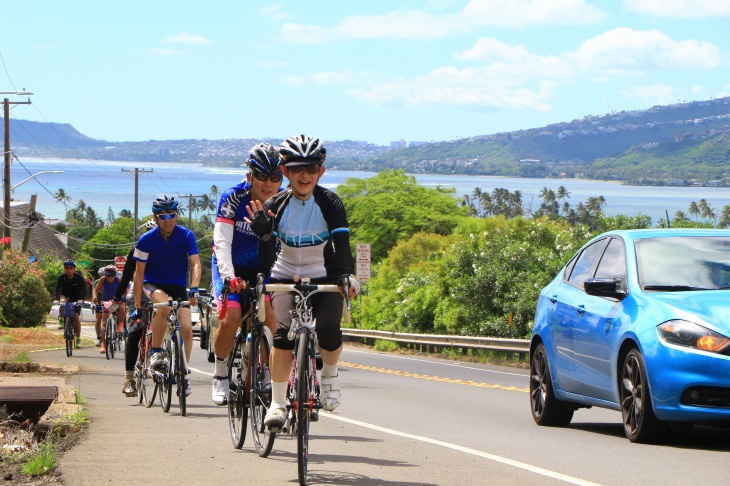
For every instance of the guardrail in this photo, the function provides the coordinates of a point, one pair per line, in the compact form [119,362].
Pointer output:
[434,342]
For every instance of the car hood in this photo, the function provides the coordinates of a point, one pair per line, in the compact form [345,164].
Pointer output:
[710,306]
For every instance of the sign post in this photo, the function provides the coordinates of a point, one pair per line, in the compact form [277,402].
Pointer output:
[362,261]
[119,262]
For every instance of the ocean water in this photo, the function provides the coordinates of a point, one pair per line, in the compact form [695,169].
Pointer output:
[106,184]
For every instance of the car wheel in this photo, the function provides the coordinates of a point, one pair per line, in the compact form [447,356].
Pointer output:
[640,423]
[546,409]
[204,329]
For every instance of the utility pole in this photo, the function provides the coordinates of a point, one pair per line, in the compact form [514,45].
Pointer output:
[6,167]
[136,195]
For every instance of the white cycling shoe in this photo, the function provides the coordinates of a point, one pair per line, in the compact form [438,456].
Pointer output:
[275,417]
[330,392]
[220,391]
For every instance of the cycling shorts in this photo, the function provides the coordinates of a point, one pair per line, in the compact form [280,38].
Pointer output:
[174,291]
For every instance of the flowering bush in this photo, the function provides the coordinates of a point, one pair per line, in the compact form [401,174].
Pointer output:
[24,300]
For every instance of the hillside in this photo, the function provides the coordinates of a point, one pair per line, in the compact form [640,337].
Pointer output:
[685,143]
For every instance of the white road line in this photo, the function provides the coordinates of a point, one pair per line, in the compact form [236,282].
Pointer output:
[485,455]
[454,365]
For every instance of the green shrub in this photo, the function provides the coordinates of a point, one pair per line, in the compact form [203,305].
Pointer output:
[385,346]
[24,300]
[41,462]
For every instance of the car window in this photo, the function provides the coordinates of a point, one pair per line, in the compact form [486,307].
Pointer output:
[583,268]
[613,261]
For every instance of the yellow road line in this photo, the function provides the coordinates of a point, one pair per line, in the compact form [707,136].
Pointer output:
[432,378]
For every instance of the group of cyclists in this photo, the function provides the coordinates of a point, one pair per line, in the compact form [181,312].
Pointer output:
[287,234]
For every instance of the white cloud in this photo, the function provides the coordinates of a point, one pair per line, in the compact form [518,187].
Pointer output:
[275,12]
[185,38]
[420,24]
[511,76]
[690,9]
[655,94]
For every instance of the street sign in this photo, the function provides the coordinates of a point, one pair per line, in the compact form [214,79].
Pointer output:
[363,271]
[362,252]
[84,263]
[119,262]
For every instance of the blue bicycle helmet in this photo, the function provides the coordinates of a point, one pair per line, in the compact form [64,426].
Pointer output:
[69,263]
[264,158]
[164,203]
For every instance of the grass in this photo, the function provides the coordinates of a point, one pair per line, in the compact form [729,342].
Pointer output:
[8,339]
[21,358]
[41,461]
[385,346]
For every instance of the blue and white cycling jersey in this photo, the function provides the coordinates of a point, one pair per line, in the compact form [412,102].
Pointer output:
[167,260]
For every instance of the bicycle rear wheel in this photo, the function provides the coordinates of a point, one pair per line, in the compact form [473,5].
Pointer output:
[304,402]
[180,371]
[68,333]
[167,379]
[149,383]
[260,398]
[237,410]
[110,337]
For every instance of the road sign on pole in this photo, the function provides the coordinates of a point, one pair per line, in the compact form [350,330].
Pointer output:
[119,262]
[362,261]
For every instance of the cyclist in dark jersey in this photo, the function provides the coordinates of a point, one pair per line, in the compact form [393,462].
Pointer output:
[310,223]
[236,254]
[162,255]
[71,287]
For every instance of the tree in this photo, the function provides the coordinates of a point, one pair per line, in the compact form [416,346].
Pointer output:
[205,203]
[215,193]
[62,197]
[693,210]
[24,300]
[126,213]
[107,243]
[391,207]
[724,217]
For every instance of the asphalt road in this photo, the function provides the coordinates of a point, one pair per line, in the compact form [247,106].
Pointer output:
[403,421]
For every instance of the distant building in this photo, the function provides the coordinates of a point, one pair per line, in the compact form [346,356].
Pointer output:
[398,144]
[416,144]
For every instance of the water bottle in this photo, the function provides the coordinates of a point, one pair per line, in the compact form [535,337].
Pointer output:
[246,351]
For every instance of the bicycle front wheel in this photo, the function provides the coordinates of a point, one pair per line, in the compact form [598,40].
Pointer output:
[304,402]
[149,384]
[109,337]
[237,410]
[166,384]
[68,333]
[180,371]
[260,396]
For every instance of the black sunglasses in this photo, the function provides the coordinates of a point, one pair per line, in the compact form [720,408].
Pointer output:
[310,169]
[260,176]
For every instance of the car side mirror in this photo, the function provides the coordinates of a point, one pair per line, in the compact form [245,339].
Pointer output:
[605,287]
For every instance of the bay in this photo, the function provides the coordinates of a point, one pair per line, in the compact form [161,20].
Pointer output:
[109,184]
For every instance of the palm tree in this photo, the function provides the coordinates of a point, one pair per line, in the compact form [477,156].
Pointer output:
[205,203]
[486,204]
[214,193]
[681,216]
[724,217]
[562,194]
[62,196]
[693,210]
[125,213]
[706,210]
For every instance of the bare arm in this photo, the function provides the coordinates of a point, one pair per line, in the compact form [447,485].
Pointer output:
[197,271]
[138,282]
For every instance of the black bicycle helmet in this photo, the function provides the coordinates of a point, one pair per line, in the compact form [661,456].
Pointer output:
[69,263]
[164,203]
[264,158]
[302,150]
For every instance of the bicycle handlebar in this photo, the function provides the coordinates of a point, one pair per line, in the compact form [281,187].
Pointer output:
[303,286]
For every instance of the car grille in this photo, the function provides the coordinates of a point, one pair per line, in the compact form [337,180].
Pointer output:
[706,396]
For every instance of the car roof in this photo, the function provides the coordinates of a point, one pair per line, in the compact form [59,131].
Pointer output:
[667,233]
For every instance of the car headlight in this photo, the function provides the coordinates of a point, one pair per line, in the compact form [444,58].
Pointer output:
[685,333]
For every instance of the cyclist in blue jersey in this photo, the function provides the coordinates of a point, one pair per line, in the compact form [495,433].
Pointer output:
[107,286]
[310,223]
[162,255]
[98,309]
[236,254]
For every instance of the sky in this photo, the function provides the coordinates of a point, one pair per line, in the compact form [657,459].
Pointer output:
[375,71]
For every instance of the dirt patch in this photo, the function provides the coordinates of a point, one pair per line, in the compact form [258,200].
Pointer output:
[15,341]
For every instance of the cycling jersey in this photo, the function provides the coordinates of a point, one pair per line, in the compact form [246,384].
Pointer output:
[108,289]
[167,260]
[314,236]
[74,288]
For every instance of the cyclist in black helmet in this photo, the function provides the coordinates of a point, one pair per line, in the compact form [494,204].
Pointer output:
[236,253]
[310,224]
[71,287]
[162,255]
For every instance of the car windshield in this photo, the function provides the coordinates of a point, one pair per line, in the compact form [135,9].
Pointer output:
[683,263]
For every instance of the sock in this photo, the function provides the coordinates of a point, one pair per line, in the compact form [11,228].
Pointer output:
[221,368]
[128,375]
[328,371]
[278,394]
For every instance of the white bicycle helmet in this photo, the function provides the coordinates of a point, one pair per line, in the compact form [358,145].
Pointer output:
[302,150]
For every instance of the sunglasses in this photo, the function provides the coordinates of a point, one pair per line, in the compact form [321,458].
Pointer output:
[69,267]
[260,176]
[310,169]
[167,217]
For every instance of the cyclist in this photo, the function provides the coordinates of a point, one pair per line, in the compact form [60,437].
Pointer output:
[98,308]
[107,286]
[71,287]
[310,223]
[162,256]
[236,254]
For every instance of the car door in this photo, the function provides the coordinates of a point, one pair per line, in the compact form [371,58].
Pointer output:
[568,298]
[594,329]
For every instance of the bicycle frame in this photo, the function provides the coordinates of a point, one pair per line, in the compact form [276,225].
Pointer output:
[177,369]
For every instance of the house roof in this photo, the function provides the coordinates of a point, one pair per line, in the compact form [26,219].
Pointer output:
[43,240]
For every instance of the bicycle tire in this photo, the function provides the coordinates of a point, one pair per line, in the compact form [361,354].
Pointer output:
[237,410]
[180,372]
[260,394]
[149,384]
[109,337]
[68,334]
[304,391]
[166,384]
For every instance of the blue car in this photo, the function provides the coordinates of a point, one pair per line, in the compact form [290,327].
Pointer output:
[637,321]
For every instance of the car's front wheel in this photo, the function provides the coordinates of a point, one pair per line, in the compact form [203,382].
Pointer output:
[640,423]
[546,409]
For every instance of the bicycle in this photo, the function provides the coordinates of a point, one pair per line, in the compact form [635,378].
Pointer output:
[303,389]
[175,372]
[67,311]
[112,336]
[250,384]
[145,379]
